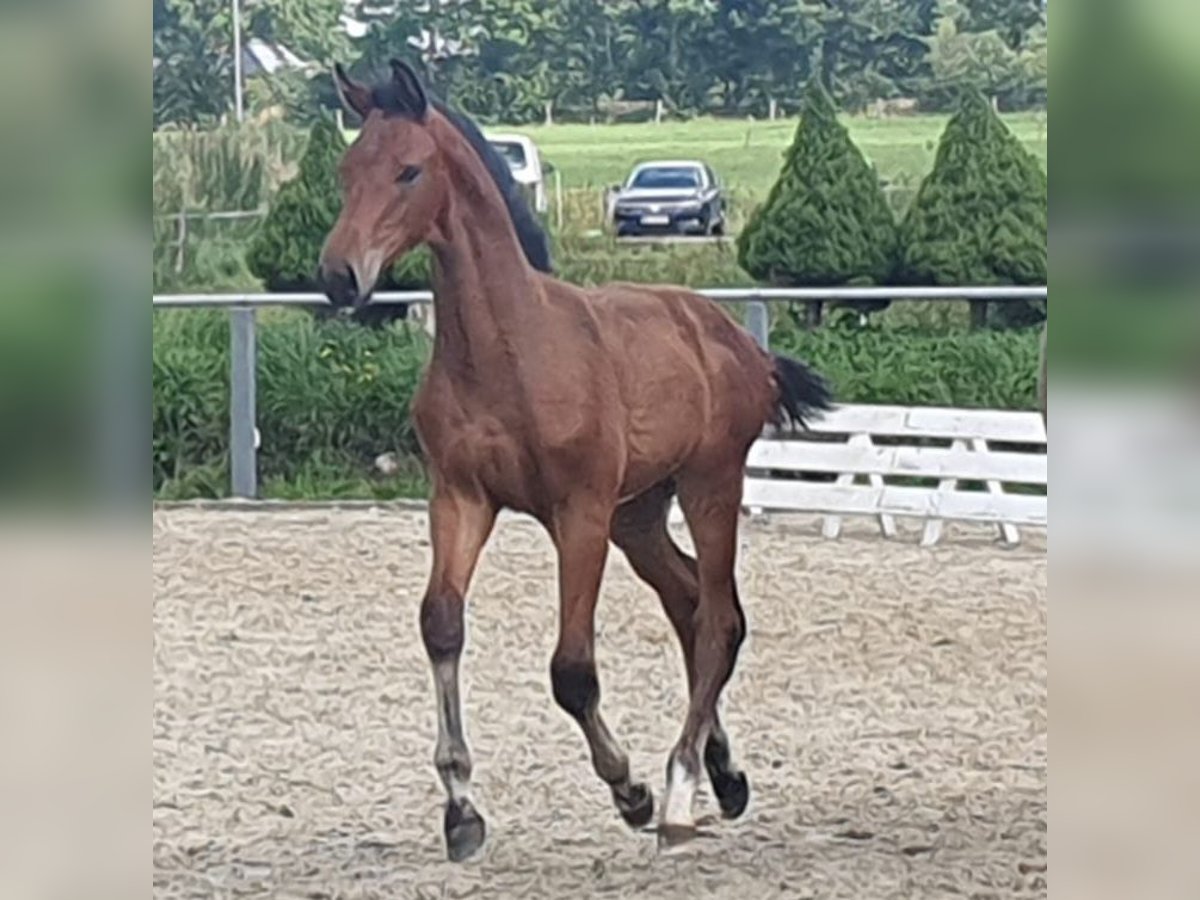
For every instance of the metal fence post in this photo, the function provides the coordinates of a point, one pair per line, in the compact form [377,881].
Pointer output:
[758,322]
[243,465]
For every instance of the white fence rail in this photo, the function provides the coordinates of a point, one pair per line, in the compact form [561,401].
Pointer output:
[243,435]
[928,444]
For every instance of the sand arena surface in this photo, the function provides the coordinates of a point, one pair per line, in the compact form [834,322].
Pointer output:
[889,708]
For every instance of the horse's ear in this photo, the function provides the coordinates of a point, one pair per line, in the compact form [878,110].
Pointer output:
[409,87]
[354,96]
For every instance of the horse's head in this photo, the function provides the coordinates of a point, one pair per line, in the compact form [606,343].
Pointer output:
[393,184]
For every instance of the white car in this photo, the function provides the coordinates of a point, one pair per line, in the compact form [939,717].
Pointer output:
[526,164]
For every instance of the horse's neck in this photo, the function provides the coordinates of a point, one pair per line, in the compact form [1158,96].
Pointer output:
[483,288]
[481,295]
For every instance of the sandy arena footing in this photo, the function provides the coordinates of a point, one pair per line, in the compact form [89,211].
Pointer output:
[889,708]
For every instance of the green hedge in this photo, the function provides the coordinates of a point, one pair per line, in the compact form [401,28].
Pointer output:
[911,367]
[332,396]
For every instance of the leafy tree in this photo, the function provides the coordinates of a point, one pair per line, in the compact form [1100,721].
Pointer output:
[1034,68]
[963,60]
[586,53]
[300,96]
[1011,19]
[761,48]
[979,217]
[193,52]
[311,29]
[976,45]
[871,48]
[826,221]
[287,248]
[193,60]
[504,59]
[506,67]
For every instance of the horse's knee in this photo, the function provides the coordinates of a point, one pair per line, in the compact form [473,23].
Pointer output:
[442,624]
[576,688]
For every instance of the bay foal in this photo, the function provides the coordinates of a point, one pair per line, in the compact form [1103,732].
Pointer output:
[585,408]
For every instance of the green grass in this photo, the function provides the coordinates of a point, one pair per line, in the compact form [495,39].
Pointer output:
[748,153]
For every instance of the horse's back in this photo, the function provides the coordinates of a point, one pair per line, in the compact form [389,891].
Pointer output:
[684,364]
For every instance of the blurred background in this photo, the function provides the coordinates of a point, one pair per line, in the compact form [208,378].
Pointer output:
[1125,641]
[78,259]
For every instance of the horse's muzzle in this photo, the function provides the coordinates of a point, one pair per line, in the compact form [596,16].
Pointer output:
[340,285]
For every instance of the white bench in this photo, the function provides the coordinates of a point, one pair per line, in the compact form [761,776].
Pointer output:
[949,445]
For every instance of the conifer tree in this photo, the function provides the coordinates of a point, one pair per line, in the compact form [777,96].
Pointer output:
[826,220]
[979,217]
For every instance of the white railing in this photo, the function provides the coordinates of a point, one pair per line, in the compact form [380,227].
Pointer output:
[243,435]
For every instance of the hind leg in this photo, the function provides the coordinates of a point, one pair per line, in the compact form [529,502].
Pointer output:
[580,531]
[640,531]
[711,502]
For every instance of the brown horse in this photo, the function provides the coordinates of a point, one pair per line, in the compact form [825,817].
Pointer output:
[585,408]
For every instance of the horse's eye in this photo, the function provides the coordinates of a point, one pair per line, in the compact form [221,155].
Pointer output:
[408,174]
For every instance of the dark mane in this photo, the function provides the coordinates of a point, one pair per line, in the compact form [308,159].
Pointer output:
[534,240]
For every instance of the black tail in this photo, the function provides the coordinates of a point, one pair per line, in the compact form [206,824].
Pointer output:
[802,392]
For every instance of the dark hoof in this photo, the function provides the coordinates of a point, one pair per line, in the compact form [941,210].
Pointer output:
[638,809]
[733,793]
[464,829]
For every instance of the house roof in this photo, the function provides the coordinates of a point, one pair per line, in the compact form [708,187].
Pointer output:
[260,56]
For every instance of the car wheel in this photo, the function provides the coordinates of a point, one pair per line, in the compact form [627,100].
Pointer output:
[717,229]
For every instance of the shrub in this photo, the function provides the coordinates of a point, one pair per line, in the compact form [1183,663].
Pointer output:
[332,393]
[287,247]
[826,220]
[877,363]
[331,397]
[979,217]
[190,403]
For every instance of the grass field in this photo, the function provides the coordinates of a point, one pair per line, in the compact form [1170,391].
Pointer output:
[748,154]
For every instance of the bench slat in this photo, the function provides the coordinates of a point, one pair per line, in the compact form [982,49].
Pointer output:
[934,421]
[975,506]
[928,462]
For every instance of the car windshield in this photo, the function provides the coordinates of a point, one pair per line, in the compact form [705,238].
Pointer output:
[513,153]
[667,177]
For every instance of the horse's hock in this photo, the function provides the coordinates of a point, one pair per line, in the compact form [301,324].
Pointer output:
[889,708]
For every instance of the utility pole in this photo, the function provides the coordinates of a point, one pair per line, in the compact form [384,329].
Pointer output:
[237,60]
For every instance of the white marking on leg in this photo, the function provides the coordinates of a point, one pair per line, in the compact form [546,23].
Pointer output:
[681,792]
[452,758]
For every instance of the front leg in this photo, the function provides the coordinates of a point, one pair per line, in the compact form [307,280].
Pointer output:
[459,527]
